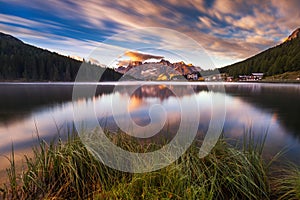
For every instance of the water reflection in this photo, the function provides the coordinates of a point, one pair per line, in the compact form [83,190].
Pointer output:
[263,107]
[282,100]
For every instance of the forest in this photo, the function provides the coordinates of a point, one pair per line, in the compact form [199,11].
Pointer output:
[23,62]
[276,60]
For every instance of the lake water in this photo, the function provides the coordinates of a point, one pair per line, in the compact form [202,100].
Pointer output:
[48,108]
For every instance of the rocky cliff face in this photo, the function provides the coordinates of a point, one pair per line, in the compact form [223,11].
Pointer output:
[295,34]
[180,67]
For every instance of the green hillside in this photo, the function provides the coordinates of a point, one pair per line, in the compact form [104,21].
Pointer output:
[23,62]
[277,60]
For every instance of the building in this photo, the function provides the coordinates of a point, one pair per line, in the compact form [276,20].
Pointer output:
[257,76]
[229,78]
[193,76]
[252,77]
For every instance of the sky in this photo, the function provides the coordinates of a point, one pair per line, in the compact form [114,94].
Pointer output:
[208,34]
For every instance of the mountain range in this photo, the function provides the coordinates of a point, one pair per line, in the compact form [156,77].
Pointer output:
[162,70]
[282,58]
[24,62]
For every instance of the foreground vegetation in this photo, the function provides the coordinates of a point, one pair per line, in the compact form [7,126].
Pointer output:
[67,170]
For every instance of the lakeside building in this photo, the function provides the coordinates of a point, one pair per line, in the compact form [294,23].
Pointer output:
[252,77]
[192,76]
[216,77]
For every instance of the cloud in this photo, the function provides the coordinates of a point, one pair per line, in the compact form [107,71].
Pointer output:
[94,61]
[287,13]
[207,22]
[236,29]
[234,7]
[136,56]
[76,57]
[123,62]
[233,29]
[259,40]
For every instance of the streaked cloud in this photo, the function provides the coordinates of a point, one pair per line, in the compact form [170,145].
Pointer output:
[137,56]
[229,30]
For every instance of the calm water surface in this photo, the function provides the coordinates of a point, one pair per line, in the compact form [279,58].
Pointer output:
[48,108]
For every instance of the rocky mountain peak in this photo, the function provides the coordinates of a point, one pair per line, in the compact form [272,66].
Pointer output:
[180,67]
[295,34]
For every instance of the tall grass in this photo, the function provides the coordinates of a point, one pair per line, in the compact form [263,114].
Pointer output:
[226,173]
[287,183]
[67,170]
[12,188]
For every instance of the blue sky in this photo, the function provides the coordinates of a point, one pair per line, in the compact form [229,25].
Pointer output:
[226,30]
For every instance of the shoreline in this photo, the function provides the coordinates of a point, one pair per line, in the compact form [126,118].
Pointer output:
[144,82]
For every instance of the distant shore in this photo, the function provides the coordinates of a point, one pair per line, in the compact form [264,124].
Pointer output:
[157,82]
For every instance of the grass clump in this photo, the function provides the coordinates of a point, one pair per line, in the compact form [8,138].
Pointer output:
[64,170]
[226,173]
[287,182]
[67,170]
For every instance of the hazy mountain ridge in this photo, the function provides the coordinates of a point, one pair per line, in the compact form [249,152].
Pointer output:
[284,57]
[24,62]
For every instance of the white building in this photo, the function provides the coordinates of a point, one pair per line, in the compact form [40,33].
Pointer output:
[192,76]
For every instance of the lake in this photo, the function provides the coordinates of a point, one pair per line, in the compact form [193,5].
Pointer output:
[48,109]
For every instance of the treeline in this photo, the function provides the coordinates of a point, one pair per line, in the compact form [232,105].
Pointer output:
[277,60]
[20,61]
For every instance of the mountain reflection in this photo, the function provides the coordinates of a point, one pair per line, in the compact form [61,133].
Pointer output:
[162,91]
